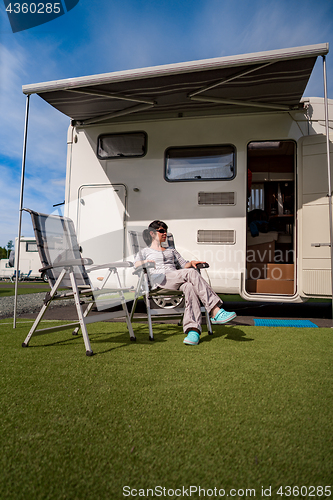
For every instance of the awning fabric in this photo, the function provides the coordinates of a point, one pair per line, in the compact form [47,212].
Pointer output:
[246,83]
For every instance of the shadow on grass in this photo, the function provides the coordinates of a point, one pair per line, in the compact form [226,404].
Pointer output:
[229,333]
[122,339]
[142,337]
[237,335]
[162,333]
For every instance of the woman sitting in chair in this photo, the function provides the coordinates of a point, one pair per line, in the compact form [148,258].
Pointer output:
[166,274]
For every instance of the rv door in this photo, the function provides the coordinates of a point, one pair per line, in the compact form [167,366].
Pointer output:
[314,232]
[101,226]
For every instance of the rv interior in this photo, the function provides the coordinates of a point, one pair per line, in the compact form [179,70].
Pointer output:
[270,218]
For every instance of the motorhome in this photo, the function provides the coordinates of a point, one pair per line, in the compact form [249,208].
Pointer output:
[227,151]
[6,271]
[29,260]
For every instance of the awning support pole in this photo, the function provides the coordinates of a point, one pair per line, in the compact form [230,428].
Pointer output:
[230,78]
[328,172]
[219,100]
[123,112]
[17,255]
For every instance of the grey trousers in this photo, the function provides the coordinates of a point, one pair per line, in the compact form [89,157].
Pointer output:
[195,289]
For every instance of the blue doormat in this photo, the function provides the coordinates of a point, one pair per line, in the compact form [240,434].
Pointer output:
[299,323]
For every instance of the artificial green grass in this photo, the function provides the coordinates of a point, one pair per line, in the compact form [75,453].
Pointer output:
[246,408]
[10,291]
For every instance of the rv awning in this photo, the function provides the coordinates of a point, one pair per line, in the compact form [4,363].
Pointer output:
[264,80]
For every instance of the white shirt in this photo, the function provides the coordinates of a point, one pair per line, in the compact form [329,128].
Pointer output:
[165,261]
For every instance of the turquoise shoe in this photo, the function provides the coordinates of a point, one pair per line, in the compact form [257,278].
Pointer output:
[192,338]
[223,317]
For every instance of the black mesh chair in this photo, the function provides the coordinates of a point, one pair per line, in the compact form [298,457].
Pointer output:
[61,260]
[154,294]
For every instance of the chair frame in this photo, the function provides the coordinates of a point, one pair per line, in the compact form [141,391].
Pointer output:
[79,292]
[145,289]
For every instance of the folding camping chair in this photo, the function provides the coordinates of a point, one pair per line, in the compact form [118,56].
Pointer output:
[146,289]
[60,256]
[26,276]
[21,276]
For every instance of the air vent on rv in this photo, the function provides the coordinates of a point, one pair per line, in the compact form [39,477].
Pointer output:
[216,198]
[219,237]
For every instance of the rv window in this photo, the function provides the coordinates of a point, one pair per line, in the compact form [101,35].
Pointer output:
[126,145]
[31,246]
[200,163]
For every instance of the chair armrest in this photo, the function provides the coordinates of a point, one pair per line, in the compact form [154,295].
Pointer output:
[110,265]
[203,266]
[144,267]
[67,263]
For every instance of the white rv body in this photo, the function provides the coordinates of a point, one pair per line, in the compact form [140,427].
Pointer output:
[107,198]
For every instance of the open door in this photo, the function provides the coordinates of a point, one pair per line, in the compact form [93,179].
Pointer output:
[271,218]
[315,256]
[101,222]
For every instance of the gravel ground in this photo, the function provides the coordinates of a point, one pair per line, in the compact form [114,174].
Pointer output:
[29,303]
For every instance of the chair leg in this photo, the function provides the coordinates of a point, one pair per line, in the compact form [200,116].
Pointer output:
[35,325]
[43,309]
[124,306]
[146,296]
[138,293]
[89,351]
[134,306]
[209,324]
[85,314]
[150,323]
[143,289]
[128,321]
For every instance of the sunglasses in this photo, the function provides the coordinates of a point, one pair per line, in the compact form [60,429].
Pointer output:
[162,231]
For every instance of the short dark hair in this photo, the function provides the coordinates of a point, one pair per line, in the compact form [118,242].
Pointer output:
[153,226]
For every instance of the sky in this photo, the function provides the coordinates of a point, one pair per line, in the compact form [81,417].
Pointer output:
[112,35]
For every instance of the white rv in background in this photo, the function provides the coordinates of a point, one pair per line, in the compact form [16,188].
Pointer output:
[29,260]
[227,152]
[6,271]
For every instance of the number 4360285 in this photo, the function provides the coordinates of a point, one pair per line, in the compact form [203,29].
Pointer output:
[34,8]
[304,491]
